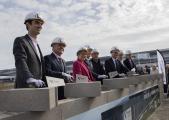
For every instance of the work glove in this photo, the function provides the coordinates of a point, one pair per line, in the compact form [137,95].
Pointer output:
[122,75]
[36,82]
[68,76]
[102,76]
[133,70]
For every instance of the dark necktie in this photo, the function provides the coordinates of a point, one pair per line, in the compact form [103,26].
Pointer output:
[117,64]
[131,64]
[61,63]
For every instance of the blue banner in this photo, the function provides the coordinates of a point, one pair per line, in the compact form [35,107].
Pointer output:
[137,107]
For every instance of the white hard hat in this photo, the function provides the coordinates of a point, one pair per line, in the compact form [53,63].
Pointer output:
[33,16]
[88,47]
[81,49]
[114,49]
[95,51]
[58,40]
[128,52]
[121,52]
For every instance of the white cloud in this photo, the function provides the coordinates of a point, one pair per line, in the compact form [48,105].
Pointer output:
[138,25]
[1,7]
[27,4]
[66,2]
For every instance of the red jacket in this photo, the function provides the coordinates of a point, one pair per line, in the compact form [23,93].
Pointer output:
[80,67]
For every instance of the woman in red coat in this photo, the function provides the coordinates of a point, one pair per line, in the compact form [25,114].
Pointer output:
[80,67]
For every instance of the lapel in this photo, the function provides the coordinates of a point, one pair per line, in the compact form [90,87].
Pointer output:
[57,62]
[33,47]
[84,66]
[118,65]
[131,63]
[41,55]
[112,62]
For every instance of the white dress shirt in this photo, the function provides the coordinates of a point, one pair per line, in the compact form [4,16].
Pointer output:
[35,43]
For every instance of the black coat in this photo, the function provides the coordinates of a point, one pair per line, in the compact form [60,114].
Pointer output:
[97,67]
[27,62]
[128,64]
[54,68]
[123,68]
[110,66]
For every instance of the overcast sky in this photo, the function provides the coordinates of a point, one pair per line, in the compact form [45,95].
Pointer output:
[137,25]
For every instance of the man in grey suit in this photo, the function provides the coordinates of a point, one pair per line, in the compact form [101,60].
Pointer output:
[29,60]
[56,66]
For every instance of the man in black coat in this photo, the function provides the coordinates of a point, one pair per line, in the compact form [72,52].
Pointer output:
[129,63]
[112,65]
[123,68]
[97,66]
[29,62]
[56,66]
[90,66]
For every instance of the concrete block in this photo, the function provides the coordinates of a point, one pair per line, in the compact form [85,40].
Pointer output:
[132,89]
[77,90]
[27,99]
[56,93]
[144,85]
[139,87]
[141,78]
[99,100]
[115,83]
[149,84]
[133,80]
[71,107]
[115,94]
[6,85]
[53,114]
[153,82]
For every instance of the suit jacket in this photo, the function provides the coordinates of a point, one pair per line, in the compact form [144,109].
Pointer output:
[98,67]
[123,68]
[128,64]
[90,67]
[55,67]
[80,67]
[27,62]
[110,66]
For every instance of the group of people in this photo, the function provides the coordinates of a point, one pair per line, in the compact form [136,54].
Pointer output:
[89,64]
[32,67]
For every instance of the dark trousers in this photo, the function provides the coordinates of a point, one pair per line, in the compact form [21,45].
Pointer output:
[61,93]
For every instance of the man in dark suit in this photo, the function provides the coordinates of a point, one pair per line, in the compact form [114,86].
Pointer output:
[90,65]
[56,66]
[29,60]
[129,63]
[111,65]
[97,66]
[123,68]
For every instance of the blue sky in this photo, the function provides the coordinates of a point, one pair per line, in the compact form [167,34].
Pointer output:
[137,25]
